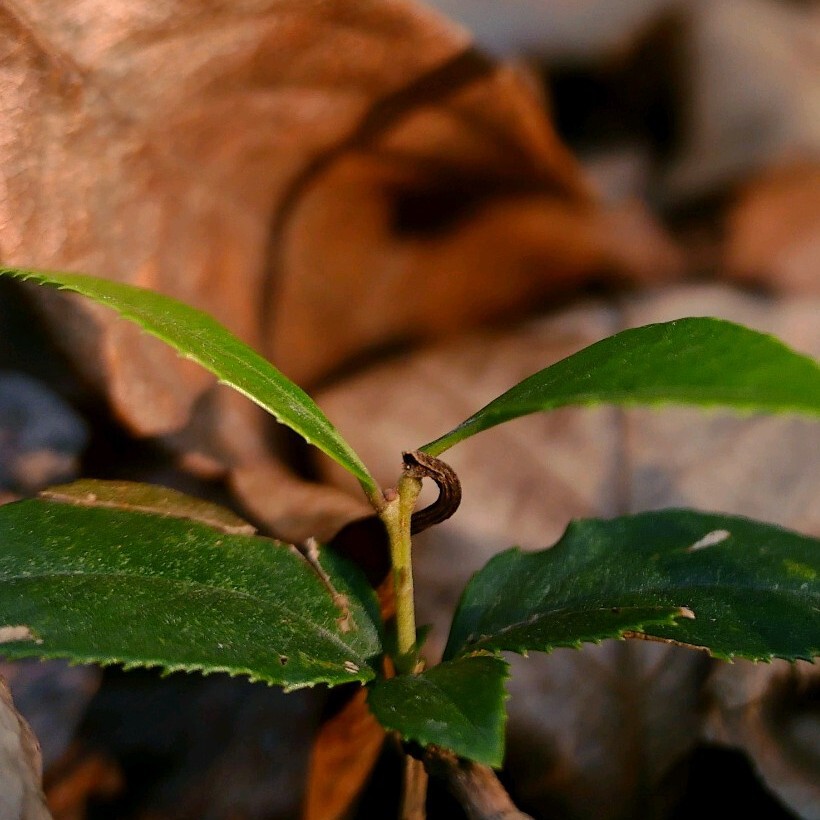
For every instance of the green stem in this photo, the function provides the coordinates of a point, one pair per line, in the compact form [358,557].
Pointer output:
[396,515]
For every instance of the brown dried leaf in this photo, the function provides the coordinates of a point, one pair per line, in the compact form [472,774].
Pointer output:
[397,169]
[21,793]
[344,753]
[595,732]
[292,509]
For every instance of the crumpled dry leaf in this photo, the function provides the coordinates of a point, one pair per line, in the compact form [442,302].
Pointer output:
[601,718]
[323,177]
[745,71]
[343,755]
[291,509]
[21,793]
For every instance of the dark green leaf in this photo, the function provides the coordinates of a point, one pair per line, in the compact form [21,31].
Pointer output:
[706,362]
[199,337]
[458,704]
[110,585]
[753,589]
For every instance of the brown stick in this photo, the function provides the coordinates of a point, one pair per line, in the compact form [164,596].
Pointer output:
[476,787]
[414,796]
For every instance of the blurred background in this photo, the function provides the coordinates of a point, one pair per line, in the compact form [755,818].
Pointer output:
[408,208]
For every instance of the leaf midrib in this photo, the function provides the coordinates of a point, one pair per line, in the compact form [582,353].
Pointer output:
[478,644]
[787,592]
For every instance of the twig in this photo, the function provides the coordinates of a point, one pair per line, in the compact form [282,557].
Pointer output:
[414,795]
[476,787]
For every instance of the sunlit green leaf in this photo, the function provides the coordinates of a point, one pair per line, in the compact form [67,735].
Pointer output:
[107,585]
[750,590]
[458,704]
[199,337]
[705,362]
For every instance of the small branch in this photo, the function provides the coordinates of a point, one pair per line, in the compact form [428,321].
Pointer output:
[414,796]
[396,510]
[379,499]
[396,516]
[476,787]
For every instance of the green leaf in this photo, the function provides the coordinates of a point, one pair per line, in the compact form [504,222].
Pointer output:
[458,704]
[107,585]
[150,498]
[199,337]
[706,362]
[753,589]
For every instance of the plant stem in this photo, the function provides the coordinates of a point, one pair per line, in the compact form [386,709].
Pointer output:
[396,515]
[476,787]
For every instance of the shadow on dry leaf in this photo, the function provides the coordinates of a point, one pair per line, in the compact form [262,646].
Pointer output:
[348,744]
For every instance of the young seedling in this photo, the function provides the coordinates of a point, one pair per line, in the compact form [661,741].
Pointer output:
[118,573]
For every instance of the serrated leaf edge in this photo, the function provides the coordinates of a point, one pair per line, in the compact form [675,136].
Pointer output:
[812,655]
[166,669]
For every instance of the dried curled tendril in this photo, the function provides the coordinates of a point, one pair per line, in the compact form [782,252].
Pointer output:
[420,465]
